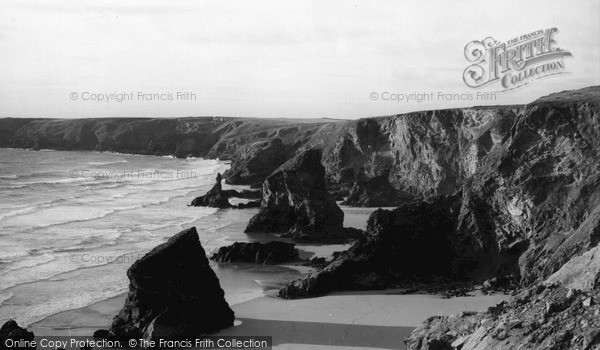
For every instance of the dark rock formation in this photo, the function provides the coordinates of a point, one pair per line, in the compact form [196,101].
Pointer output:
[11,330]
[406,244]
[376,192]
[216,197]
[173,292]
[296,202]
[541,317]
[259,253]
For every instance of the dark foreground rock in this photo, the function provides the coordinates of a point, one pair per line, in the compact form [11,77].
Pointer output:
[173,292]
[259,253]
[296,202]
[11,330]
[408,243]
[542,317]
[216,197]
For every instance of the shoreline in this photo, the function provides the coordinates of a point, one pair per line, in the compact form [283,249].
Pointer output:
[355,319]
[271,277]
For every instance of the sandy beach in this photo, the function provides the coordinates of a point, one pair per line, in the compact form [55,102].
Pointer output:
[348,320]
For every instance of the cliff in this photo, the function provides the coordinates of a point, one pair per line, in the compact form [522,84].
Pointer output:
[527,179]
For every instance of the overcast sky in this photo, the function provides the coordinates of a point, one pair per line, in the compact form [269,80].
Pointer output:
[269,59]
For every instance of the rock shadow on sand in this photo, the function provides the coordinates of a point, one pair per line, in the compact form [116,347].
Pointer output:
[322,334]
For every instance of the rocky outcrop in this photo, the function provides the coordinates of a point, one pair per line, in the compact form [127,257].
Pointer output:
[376,192]
[258,253]
[216,197]
[410,243]
[296,202]
[541,317]
[11,330]
[173,292]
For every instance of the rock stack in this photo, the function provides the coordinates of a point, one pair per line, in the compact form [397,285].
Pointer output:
[296,202]
[173,292]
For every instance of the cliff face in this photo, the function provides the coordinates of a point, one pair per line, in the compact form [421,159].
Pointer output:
[528,180]
[423,153]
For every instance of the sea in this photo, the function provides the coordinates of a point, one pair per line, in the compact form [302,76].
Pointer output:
[73,222]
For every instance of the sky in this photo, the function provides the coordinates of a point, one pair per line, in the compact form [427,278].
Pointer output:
[293,59]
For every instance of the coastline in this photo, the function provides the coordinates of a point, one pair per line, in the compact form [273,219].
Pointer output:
[241,282]
[371,319]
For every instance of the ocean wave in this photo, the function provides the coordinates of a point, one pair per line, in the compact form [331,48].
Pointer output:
[12,187]
[4,296]
[17,212]
[108,162]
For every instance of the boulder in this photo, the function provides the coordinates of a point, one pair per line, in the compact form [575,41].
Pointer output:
[295,202]
[258,253]
[173,292]
[11,330]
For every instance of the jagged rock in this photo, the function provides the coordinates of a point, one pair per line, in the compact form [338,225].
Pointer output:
[547,320]
[259,253]
[408,243]
[376,192]
[296,202]
[216,197]
[11,330]
[173,292]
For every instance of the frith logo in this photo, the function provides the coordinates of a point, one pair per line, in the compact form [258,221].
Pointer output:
[515,63]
